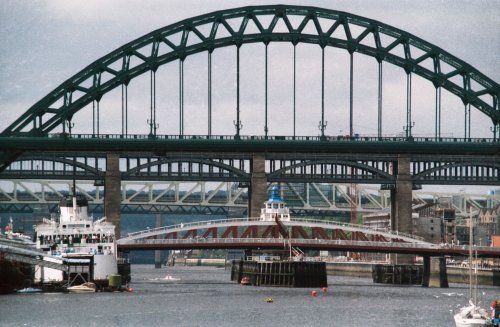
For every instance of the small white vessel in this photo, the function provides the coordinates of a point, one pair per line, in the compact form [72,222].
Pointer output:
[168,277]
[83,288]
[88,246]
[472,315]
[29,290]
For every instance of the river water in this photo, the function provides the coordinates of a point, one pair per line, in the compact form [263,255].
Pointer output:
[204,296]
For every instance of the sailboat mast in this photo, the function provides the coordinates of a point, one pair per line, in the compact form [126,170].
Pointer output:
[471,239]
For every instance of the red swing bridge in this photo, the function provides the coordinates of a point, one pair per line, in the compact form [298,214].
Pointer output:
[305,233]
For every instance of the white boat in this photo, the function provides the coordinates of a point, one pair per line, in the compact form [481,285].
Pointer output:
[168,277]
[472,315]
[83,288]
[74,238]
[29,290]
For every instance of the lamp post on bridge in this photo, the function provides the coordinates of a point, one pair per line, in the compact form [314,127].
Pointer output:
[407,130]
[239,127]
[153,126]
[322,126]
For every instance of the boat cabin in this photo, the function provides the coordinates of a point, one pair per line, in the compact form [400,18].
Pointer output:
[274,206]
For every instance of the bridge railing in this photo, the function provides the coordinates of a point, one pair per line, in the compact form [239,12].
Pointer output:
[332,138]
[284,242]
[288,242]
[209,223]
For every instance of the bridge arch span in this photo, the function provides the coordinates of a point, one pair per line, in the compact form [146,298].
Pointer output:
[54,167]
[231,28]
[256,228]
[438,171]
[225,171]
[334,171]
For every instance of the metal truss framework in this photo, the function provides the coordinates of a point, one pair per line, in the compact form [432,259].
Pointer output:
[305,233]
[307,244]
[265,24]
[280,167]
[220,198]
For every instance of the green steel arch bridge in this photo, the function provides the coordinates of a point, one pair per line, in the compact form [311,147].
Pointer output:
[71,133]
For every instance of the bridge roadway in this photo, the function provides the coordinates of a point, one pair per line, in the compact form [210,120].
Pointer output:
[310,234]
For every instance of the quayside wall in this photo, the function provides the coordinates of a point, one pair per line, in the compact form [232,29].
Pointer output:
[459,275]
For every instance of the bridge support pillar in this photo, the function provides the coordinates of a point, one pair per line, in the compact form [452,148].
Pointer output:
[158,252]
[258,185]
[112,191]
[435,274]
[401,201]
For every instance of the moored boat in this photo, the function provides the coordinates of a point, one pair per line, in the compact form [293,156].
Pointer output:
[74,238]
[245,281]
[83,288]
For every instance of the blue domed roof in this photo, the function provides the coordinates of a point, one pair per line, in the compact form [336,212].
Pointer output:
[275,195]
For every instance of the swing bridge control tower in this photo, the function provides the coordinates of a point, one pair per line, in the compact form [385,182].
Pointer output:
[286,267]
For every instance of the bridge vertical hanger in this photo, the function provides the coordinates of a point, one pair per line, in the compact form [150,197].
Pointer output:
[125,108]
[153,126]
[496,124]
[409,123]
[468,124]
[93,118]
[181,97]
[294,86]
[466,102]
[437,82]
[209,92]
[351,94]
[438,112]
[379,120]
[322,123]
[237,123]
[265,107]
[465,121]
[98,115]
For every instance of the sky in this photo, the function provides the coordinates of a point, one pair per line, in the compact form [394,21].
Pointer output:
[46,42]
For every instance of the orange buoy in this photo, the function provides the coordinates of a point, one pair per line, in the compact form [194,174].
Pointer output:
[130,289]
[325,289]
[313,293]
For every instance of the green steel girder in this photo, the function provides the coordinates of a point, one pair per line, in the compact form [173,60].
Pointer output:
[78,169]
[493,165]
[235,173]
[374,173]
[149,51]
[33,143]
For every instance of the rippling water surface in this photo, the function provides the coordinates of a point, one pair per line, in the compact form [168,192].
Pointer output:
[204,296]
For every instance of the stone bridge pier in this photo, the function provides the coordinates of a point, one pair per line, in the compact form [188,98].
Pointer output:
[112,191]
[258,184]
[435,274]
[401,204]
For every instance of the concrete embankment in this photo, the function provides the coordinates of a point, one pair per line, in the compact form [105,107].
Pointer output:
[457,275]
